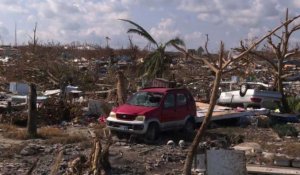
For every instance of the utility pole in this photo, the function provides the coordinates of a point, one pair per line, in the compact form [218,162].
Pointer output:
[107,39]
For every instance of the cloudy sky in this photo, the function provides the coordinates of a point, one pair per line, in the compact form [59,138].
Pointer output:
[91,21]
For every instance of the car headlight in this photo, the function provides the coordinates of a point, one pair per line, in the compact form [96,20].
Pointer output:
[140,118]
[112,115]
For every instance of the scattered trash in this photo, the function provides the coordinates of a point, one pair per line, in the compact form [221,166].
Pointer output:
[250,148]
[181,143]
[102,120]
[282,162]
[268,156]
[171,143]
[296,163]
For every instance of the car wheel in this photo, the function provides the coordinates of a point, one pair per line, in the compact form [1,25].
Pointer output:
[218,93]
[152,132]
[189,127]
[243,89]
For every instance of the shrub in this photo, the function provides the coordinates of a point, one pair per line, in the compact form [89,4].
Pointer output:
[52,135]
[285,130]
[56,135]
[20,134]
[67,139]
[48,132]
[294,104]
[8,127]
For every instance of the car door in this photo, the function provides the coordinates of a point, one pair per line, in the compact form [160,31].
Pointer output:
[182,108]
[168,111]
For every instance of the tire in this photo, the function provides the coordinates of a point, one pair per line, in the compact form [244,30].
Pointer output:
[218,93]
[243,89]
[189,127]
[152,132]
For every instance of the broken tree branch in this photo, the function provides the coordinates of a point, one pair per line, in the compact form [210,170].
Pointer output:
[292,53]
[287,75]
[221,55]
[33,167]
[264,58]
[208,53]
[206,47]
[262,39]
[56,165]
[277,36]
[294,29]
[211,66]
[218,75]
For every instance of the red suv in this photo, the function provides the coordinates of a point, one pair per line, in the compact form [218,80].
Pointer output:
[152,110]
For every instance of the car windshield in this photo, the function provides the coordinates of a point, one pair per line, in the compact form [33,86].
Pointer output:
[149,99]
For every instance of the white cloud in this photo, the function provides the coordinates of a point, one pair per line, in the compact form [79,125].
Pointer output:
[255,33]
[296,3]
[3,30]
[232,12]
[92,20]
[13,6]
[204,6]
[164,31]
[73,20]
[209,17]
[197,38]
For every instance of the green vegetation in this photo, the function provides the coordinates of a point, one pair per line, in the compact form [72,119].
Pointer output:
[285,130]
[294,104]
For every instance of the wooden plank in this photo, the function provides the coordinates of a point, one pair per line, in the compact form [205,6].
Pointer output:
[222,112]
[272,170]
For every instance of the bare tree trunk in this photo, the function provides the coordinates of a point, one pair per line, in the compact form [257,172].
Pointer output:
[56,165]
[96,165]
[192,151]
[34,42]
[121,88]
[31,122]
[99,159]
[219,69]
[285,105]
[275,83]
[33,167]
[280,87]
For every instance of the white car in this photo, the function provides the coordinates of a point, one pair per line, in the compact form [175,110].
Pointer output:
[251,94]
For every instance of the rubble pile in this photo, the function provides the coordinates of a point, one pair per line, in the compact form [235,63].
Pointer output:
[75,113]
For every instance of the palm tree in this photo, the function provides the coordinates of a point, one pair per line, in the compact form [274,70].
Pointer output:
[157,63]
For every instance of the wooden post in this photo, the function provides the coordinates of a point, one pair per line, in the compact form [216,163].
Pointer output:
[31,122]
[121,88]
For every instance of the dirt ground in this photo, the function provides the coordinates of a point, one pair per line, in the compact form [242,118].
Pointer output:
[133,156]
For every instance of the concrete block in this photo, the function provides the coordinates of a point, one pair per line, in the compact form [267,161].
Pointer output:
[226,162]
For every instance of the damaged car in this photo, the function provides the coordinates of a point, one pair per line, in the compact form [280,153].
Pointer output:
[153,110]
[251,94]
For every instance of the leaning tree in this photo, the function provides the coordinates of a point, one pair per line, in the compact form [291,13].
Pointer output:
[223,65]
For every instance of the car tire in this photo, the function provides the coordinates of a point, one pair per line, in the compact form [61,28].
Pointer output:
[218,93]
[189,128]
[152,132]
[243,89]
